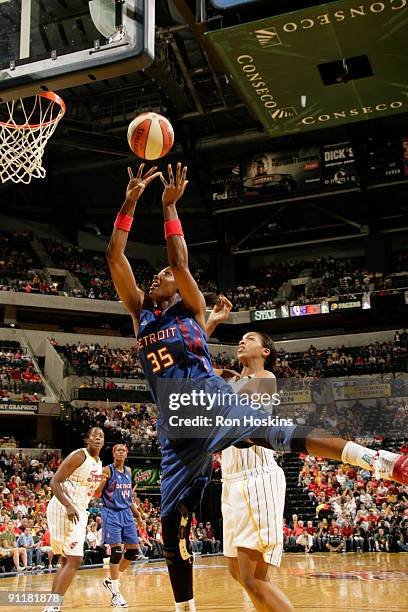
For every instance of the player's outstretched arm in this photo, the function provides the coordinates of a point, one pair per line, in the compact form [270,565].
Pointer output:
[176,245]
[219,314]
[67,467]
[122,275]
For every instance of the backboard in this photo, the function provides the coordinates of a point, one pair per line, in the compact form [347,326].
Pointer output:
[63,43]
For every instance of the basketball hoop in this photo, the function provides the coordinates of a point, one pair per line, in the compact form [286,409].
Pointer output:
[24,135]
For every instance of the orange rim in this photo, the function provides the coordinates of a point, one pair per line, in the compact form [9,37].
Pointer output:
[50,95]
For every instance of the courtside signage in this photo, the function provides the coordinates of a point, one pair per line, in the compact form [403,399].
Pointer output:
[18,408]
[275,64]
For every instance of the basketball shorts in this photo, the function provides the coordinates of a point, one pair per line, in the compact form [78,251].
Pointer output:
[119,527]
[187,453]
[67,538]
[252,510]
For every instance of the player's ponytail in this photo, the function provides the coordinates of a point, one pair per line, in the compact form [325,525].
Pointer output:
[267,343]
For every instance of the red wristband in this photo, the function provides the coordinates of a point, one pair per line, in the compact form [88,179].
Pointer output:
[173,228]
[123,222]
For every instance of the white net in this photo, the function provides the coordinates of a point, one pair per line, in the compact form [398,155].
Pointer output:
[25,128]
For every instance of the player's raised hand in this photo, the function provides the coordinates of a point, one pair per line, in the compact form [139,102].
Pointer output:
[174,187]
[137,184]
[221,310]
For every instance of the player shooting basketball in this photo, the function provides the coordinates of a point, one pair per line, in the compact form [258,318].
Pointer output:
[73,485]
[172,345]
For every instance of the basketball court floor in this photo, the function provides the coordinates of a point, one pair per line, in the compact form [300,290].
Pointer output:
[313,582]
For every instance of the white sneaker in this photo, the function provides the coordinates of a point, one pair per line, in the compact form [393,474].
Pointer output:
[118,601]
[52,609]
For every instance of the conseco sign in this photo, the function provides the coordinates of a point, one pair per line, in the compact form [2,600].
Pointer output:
[277,64]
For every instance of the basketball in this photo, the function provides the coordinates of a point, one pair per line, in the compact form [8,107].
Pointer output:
[150,136]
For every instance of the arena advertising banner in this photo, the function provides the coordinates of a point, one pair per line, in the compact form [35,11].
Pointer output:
[285,173]
[320,66]
[302,170]
[305,309]
[353,390]
[18,408]
[300,396]
[146,478]
[268,315]
[386,158]
[334,306]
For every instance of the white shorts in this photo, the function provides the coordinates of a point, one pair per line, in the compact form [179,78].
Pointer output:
[67,538]
[252,510]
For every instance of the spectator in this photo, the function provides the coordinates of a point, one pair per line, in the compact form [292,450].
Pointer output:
[9,547]
[305,541]
[335,542]
[45,547]
[26,540]
[202,537]
[146,546]
[196,544]
[381,541]
[214,544]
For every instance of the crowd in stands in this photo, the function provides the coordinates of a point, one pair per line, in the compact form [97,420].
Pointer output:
[24,495]
[91,268]
[20,270]
[133,424]
[325,278]
[19,380]
[104,361]
[377,357]
[24,534]
[354,511]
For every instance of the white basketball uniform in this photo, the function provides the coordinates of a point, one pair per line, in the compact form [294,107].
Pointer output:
[253,499]
[67,538]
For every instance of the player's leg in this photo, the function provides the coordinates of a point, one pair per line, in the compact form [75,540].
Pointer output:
[131,544]
[179,558]
[302,439]
[229,528]
[130,539]
[233,568]
[112,583]
[66,573]
[385,465]
[67,540]
[297,438]
[253,571]
[131,553]
[112,536]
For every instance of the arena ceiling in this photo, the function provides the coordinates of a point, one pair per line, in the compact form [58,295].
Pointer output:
[87,157]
